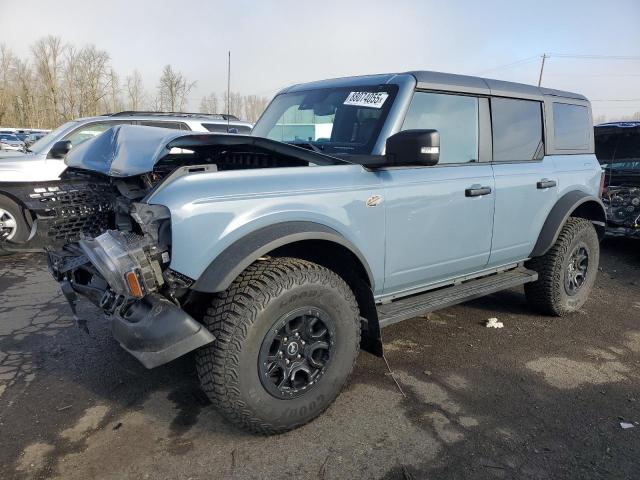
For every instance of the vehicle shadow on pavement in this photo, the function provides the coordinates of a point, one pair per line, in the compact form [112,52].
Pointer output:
[540,398]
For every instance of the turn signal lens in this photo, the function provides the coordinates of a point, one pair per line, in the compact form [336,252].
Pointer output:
[134,284]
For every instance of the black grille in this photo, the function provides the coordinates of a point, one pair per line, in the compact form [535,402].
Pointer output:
[71,210]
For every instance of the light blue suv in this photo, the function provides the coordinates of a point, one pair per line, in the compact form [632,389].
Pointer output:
[354,204]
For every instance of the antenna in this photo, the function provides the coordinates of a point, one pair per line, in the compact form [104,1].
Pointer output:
[228,89]
[544,57]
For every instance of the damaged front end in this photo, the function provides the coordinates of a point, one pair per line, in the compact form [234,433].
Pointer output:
[105,242]
[126,274]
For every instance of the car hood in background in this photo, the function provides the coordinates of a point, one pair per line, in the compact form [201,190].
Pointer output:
[128,150]
[12,154]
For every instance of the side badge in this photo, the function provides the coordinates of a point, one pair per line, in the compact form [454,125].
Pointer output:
[374,200]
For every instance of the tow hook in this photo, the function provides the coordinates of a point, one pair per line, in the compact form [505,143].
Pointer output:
[72,298]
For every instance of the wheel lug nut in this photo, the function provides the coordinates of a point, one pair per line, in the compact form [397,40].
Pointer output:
[285,339]
[287,361]
[298,356]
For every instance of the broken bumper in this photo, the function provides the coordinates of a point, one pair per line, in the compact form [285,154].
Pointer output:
[152,328]
[156,331]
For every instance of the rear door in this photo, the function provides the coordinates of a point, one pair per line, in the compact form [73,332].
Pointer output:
[439,219]
[526,182]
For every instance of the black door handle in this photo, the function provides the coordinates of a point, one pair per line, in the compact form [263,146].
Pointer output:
[545,183]
[477,191]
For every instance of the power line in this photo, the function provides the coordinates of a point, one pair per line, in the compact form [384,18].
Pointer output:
[513,64]
[561,55]
[618,100]
[595,57]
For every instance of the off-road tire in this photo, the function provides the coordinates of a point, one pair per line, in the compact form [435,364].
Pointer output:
[548,294]
[242,316]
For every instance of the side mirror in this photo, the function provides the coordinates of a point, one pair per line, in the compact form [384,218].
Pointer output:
[414,147]
[60,149]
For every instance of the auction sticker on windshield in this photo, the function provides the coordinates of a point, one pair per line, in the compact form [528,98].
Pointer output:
[366,99]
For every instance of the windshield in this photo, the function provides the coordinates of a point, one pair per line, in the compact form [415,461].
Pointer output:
[333,120]
[44,143]
[11,138]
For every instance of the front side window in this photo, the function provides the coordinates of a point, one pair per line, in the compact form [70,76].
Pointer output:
[571,126]
[455,117]
[335,120]
[517,130]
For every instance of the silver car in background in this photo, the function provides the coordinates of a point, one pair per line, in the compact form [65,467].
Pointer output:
[43,161]
[10,142]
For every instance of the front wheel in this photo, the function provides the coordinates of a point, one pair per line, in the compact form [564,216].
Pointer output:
[567,272]
[13,227]
[287,336]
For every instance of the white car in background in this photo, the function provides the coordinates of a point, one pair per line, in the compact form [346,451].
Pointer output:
[10,142]
[43,161]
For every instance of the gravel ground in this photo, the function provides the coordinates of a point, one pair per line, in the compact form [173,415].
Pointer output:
[540,398]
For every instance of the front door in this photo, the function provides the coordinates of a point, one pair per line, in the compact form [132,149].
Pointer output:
[439,219]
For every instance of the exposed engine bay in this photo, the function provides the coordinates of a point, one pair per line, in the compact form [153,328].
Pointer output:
[623,210]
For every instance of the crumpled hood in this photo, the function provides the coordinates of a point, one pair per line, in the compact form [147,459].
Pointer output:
[128,150]
[123,150]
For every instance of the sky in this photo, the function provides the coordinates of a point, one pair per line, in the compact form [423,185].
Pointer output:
[277,43]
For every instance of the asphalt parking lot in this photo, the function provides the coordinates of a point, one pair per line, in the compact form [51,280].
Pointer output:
[540,398]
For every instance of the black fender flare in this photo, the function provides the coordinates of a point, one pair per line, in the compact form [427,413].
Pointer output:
[226,267]
[585,205]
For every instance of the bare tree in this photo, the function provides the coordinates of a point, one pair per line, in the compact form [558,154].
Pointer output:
[254,106]
[47,59]
[233,104]
[113,100]
[136,96]
[58,82]
[7,60]
[209,104]
[93,79]
[173,90]
[25,99]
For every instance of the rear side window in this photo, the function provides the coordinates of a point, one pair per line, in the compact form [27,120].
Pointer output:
[173,125]
[216,127]
[571,126]
[517,130]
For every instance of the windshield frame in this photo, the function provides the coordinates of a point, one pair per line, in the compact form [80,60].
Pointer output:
[405,84]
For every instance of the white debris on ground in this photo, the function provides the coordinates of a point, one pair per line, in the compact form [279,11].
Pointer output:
[493,323]
[626,425]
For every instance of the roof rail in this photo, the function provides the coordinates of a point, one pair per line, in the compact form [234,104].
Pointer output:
[134,113]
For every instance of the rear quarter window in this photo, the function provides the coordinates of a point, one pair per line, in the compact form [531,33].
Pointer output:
[517,130]
[571,126]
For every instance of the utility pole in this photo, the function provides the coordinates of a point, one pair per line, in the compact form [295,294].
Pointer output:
[228,88]
[544,57]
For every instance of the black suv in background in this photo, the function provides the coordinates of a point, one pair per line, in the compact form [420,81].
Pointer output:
[618,151]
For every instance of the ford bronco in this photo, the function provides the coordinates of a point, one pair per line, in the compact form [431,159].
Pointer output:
[354,204]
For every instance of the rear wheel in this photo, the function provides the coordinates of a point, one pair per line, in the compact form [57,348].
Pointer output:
[567,272]
[287,336]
